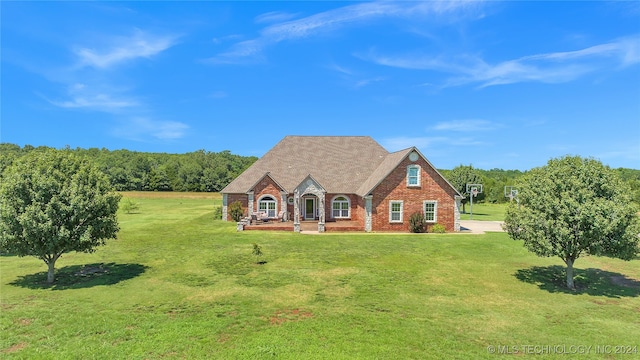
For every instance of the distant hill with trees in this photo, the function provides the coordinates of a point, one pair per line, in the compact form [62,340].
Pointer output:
[201,170]
[205,171]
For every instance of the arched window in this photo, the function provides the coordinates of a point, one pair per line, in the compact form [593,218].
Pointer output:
[340,207]
[268,205]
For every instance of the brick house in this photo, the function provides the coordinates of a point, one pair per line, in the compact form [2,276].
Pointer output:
[327,179]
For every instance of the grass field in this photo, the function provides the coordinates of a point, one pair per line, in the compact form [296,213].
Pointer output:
[177,284]
[484,211]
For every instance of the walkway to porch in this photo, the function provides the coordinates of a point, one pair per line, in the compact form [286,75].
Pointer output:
[332,226]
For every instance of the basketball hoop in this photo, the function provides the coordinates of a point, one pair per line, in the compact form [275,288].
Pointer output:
[473,190]
[512,193]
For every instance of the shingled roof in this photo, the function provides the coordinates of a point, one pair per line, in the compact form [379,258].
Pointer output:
[341,164]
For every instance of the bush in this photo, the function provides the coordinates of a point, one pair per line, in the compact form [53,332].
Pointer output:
[438,228]
[217,212]
[129,205]
[417,224]
[235,211]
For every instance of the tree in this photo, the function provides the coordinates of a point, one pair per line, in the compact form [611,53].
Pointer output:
[462,175]
[129,205]
[573,207]
[53,202]
[257,252]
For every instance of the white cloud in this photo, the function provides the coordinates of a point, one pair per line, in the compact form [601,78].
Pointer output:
[142,128]
[369,81]
[625,50]
[557,67]
[404,142]
[470,125]
[427,142]
[98,102]
[274,16]
[81,96]
[337,18]
[339,69]
[124,48]
[169,130]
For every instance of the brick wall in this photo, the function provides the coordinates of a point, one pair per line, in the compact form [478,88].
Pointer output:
[394,187]
[243,198]
[356,208]
[266,186]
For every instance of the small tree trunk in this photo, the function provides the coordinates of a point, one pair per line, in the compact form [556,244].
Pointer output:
[464,211]
[570,284]
[50,274]
[51,263]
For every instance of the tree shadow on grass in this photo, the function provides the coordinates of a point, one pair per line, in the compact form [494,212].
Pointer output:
[81,276]
[590,281]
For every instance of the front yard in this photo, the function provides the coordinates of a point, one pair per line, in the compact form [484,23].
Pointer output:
[177,284]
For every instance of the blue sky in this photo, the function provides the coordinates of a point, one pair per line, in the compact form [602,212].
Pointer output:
[493,84]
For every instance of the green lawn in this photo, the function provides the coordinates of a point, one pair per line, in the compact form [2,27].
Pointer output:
[177,284]
[484,211]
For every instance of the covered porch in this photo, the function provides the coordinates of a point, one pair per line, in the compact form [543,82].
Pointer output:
[307,226]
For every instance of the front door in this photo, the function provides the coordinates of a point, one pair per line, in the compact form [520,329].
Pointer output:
[309,208]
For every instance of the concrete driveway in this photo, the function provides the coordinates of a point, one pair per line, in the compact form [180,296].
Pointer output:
[480,227]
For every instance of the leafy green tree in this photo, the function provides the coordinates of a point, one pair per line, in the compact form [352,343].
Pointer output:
[53,202]
[573,207]
[158,180]
[257,252]
[462,175]
[9,153]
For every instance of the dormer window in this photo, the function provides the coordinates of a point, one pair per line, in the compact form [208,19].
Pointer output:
[413,175]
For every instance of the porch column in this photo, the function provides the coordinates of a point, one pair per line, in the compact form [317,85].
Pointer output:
[456,214]
[225,201]
[296,211]
[321,211]
[368,224]
[283,205]
[250,204]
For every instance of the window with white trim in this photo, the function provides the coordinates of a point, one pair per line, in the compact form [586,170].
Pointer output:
[430,210]
[395,211]
[340,207]
[413,175]
[268,205]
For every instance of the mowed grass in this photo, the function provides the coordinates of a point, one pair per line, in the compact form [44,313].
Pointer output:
[484,211]
[177,284]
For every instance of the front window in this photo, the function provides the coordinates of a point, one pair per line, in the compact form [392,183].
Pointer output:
[395,211]
[431,210]
[340,207]
[267,205]
[413,175]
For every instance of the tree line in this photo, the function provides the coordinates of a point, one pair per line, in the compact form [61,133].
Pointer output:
[495,180]
[200,171]
[204,171]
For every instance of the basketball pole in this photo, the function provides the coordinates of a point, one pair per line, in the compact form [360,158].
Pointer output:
[471,207]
